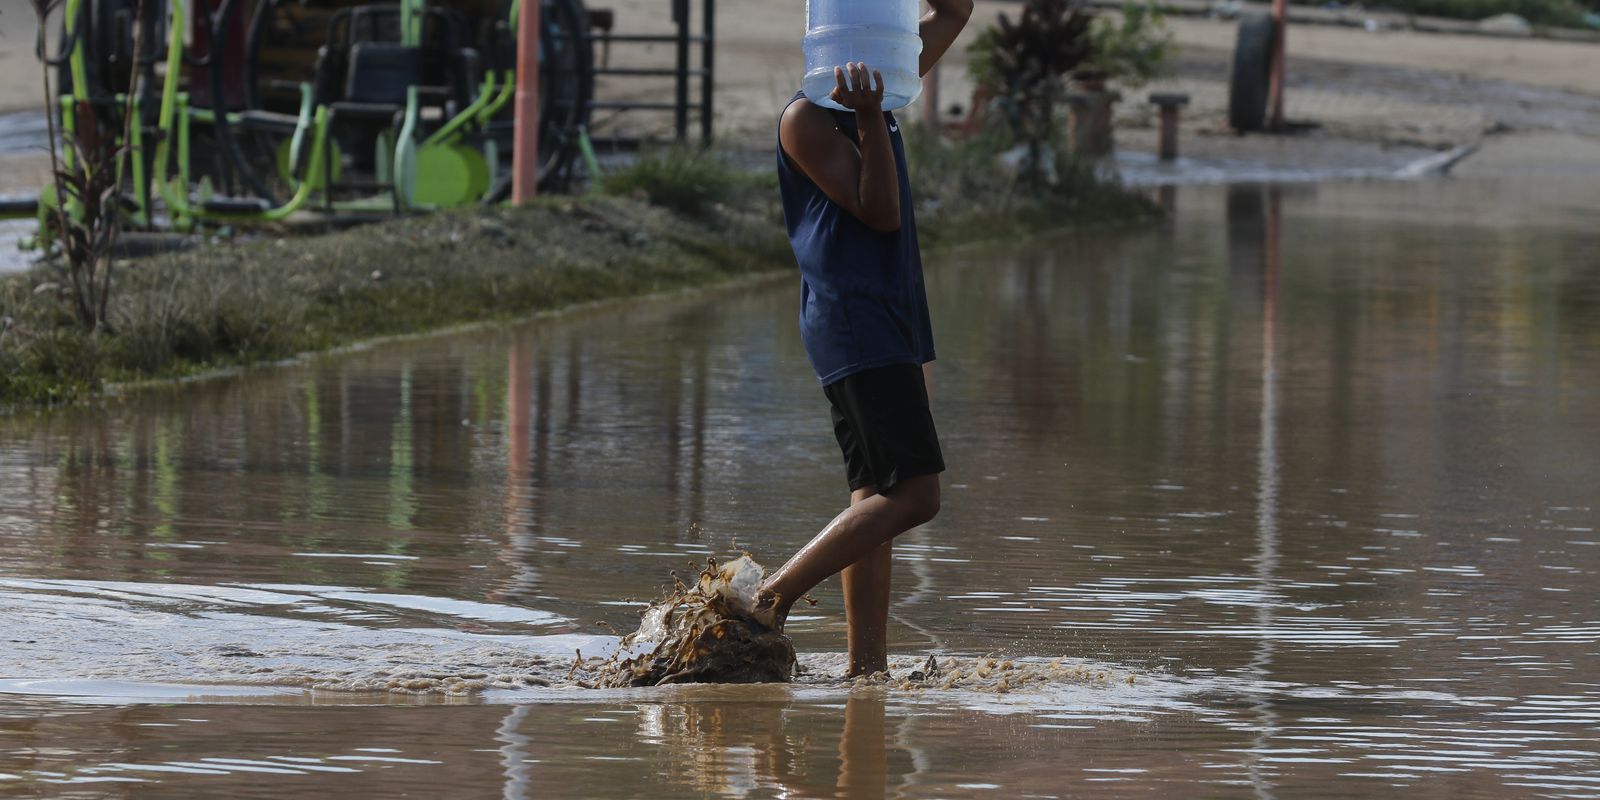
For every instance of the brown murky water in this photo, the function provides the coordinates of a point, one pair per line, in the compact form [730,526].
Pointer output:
[1315,466]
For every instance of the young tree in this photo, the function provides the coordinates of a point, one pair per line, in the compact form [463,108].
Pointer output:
[88,189]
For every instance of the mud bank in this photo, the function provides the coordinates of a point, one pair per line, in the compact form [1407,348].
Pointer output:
[229,305]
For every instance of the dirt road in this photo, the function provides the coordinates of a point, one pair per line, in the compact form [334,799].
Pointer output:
[1375,97]
[1368,92]
[20,77]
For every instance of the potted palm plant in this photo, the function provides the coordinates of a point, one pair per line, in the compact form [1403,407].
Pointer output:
[1021,70]
[1058,53]
[1128,50]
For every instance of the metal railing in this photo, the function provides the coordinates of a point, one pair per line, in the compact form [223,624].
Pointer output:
[682,73]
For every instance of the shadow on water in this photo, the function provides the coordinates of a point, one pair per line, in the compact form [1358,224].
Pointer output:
[1313,464]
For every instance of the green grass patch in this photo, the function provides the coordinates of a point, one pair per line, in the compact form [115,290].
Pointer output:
[964,194]
[687,179]
[675,220]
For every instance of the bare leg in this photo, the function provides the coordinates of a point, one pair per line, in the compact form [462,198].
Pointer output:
[866,604]
[859,530]
[857,543]
[866,592]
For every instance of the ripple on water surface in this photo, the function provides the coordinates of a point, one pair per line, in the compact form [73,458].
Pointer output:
[1331,507]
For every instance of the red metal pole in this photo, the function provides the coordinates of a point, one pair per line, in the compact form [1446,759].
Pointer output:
[1169,133]
[1280,19]
[525,149]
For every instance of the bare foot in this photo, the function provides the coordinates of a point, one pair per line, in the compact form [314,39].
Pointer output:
[769,610]
[877,671]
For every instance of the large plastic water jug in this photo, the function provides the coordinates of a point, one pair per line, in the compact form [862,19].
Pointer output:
[881,33]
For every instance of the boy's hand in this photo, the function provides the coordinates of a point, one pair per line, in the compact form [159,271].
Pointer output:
[862,97]
[860,174]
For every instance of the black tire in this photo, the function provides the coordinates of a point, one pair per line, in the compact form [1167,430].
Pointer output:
[566,94]
[566,88]
[1252,72]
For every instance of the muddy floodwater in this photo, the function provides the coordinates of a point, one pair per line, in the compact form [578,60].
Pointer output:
[1295,494]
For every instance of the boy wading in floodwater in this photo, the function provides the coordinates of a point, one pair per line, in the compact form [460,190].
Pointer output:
[864,320]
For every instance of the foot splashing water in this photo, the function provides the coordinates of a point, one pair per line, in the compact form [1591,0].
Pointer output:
[704,633]
[76,636]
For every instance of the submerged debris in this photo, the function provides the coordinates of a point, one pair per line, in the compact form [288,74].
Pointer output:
[701,634]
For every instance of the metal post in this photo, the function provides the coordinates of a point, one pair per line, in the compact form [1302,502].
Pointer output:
[708,47]
[1280,23]
[525,150]
[410,24]
[1169,133]
[680,15]
[1169,104]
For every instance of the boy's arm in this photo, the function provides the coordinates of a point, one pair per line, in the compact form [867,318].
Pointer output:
[860,176]
[939,28]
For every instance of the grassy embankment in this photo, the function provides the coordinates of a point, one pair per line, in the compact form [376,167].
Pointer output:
[672,221]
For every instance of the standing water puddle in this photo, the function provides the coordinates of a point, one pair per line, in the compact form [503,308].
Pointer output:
[1300,484]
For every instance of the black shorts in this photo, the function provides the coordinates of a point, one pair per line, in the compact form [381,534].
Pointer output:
[882,422]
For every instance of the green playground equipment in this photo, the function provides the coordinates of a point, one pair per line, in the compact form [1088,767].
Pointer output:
[403,89]
[456,163]
[177,117]
[318,108]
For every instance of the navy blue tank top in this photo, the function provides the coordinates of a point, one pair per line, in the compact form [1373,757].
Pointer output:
[862,300]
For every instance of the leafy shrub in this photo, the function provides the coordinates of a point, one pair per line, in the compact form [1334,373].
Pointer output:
[965,192]
[683,179]
[1024,66]
[1130,48]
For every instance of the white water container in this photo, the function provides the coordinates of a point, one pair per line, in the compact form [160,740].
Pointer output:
[881,33]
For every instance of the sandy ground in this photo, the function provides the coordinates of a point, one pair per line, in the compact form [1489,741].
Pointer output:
[1536,62]
[20,86]
[1375,97]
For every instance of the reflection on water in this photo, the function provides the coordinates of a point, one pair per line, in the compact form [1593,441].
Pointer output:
[1315,464]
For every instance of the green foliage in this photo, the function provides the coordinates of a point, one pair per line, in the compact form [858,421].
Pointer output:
[85,230]
[684,179]
[182,313]
[243,303]
[81,231]
[981,55]
[964,194]
[953,177]
[1024,68]
[1032,56]
[1049,41]
[1130,48]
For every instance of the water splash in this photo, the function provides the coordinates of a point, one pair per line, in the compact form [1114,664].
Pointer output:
[701,634]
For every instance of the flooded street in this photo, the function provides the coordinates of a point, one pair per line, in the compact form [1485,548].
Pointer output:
[1300,484]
